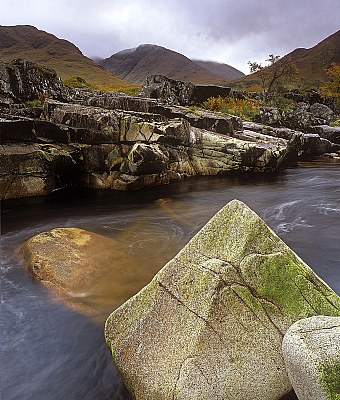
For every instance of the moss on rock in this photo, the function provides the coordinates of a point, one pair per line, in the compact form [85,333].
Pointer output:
[330,379]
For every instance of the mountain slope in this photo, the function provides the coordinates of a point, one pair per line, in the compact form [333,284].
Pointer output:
[311,64]
[133,65]
[32,44]
[227,71]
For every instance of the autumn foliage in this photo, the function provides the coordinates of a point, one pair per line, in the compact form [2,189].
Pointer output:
[244,108]
[331,88]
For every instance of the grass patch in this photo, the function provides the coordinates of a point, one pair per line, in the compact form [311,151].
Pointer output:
[77,82]
[335,123]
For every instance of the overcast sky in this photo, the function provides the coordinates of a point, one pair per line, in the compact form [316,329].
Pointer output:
[230,31]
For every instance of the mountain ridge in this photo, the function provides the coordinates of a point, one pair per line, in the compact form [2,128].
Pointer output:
[311,64]
[38,46]
[133,65]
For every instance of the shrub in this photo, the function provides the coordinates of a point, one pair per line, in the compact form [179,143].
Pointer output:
[282,102]
[245,108]
[38,101]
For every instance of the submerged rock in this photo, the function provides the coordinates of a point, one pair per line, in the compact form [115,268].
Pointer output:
[87,271]
[211,322]
[311,349]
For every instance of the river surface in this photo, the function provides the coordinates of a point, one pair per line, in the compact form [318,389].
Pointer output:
[50,352]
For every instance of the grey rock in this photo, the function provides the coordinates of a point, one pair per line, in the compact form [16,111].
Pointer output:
[311,350]
[147,159]
[167,90]
[322,113]
[36,169]
[304,116]
[21,81]
[301,145]
[124,150]
[271,116]
[211,322]
[314,145]
[299,117]
[172,92]
[214,122]
[331,133]
[109,100]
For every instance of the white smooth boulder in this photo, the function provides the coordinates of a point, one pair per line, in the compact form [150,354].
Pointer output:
[311,350]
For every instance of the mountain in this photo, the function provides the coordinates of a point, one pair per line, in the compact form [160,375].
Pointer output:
[227,71]
[133,65]
[29,43]
[311,64]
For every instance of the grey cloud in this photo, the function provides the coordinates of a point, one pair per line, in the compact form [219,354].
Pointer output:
[231,31]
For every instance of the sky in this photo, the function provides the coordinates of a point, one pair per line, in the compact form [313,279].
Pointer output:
[228,31]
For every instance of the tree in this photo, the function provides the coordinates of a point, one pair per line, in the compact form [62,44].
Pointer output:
[331,88]
[278,71]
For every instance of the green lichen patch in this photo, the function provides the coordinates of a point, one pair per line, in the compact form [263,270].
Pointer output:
[330,379]
[278,278]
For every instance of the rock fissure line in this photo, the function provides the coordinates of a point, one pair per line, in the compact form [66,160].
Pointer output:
[159,283]
[202,373]
[8,187]
[319,329]
[302,294]
[252,290]
[323,294]
[179,375]
[269,317]
[247,307]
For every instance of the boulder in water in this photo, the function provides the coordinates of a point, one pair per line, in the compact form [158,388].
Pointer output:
[87,271]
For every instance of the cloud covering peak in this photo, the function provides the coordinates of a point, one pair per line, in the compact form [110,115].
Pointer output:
[230,31]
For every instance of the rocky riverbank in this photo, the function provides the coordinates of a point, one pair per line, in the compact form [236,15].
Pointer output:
[115,141]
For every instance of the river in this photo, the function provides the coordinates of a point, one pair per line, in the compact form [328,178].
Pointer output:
[50,352]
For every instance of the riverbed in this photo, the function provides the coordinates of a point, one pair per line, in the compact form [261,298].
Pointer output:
[50,352]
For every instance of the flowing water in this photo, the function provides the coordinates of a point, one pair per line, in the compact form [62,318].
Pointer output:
[50,352]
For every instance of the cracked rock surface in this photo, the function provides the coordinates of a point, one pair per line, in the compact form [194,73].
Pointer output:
[211,322]
[311,349]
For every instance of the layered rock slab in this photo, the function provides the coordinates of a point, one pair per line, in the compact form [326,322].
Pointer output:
[311,349]
[211,322]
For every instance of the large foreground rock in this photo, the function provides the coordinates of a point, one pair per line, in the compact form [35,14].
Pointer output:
[211,322]
[311,349]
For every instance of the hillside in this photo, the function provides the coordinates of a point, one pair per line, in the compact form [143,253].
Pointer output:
[226,71]
[311,64]
[32,44]
[133,65]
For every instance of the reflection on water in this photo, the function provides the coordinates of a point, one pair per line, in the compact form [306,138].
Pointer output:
[49,351]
